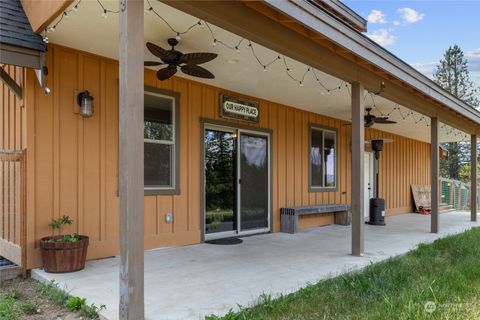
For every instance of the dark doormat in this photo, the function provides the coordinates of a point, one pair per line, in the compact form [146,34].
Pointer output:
[225,241]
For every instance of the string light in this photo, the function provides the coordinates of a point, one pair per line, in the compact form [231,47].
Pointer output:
[416,117]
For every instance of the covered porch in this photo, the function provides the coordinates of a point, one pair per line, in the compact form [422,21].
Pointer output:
[193,281]
[338,72]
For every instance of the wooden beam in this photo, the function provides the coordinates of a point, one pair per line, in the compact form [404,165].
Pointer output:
[11,84]
[434,175]
[473,177]
[357,176]
[131,182]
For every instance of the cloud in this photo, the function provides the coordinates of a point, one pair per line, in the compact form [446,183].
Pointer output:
[473,58]
[427,68]
[382,37]
[409,15]
[376,16]
[396,22]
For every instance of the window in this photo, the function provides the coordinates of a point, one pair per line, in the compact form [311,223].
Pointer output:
[323,159]
[160,142]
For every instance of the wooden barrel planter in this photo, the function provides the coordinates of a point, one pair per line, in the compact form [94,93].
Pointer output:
[62,257]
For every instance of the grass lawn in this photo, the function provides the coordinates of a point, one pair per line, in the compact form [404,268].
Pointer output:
[436,281]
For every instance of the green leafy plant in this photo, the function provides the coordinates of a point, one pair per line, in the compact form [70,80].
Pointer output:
[75,303]
[58,224]
[7,308]
[91,311]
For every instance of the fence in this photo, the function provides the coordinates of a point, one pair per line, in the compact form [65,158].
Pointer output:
[455,194]
[12,206]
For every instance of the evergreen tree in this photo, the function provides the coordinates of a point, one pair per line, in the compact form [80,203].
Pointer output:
[452,75]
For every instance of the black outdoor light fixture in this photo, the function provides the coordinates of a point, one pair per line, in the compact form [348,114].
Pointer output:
[84,101]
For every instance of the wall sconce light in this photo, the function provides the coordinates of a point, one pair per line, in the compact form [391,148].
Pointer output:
[84,101]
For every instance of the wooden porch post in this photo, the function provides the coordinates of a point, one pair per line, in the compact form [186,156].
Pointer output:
[131,159]
[473,182]
[435,164]
[358,150]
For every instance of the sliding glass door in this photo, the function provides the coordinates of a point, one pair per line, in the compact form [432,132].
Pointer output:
[236,182]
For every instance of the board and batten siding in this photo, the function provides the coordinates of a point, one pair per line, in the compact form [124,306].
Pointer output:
[73,167]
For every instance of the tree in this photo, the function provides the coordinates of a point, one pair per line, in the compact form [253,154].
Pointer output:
[452,74]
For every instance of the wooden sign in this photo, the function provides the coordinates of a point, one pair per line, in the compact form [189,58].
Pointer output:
[238,108]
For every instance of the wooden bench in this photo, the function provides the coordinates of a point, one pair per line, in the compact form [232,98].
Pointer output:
[289,216]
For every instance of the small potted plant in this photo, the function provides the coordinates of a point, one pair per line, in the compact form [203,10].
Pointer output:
[63,252]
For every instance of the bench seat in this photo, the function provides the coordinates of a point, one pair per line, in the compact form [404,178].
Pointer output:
[289,216]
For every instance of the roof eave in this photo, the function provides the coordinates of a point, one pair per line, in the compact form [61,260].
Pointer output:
[324,24]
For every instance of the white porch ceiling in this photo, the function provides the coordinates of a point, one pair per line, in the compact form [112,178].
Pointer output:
[86,29]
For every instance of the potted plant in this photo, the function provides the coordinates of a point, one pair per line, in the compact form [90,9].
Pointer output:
[63,252]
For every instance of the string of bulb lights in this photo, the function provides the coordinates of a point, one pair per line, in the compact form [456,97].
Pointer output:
[417,118]
[243,43]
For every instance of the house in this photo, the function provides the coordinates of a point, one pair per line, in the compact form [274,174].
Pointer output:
[283,124]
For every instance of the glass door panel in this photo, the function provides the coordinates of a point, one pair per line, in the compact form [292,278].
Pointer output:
[253,181]
[220,181]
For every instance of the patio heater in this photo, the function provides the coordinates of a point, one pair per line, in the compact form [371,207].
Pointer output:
[377,204]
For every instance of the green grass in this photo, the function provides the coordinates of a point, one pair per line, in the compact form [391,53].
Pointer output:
[446,272]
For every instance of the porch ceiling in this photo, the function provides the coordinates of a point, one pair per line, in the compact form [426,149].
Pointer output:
[240,71]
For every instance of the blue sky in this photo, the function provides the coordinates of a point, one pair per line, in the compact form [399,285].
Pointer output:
[420,31]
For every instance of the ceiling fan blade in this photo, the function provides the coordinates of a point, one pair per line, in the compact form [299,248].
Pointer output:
[197,57]
[384,121]
[369,124]
[157,51]
[197,71]
[166,73]
[152,63]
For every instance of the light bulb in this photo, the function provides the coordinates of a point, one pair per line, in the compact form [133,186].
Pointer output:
[178,36]
[75,8]
[214,42]
[264,68]
[104,14]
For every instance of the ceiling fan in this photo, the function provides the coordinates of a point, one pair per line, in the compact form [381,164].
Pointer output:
[173,59]
[371,119]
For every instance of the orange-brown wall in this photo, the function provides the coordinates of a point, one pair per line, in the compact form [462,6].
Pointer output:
[72,162]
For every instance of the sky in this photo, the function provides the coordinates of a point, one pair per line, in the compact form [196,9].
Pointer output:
[419,32]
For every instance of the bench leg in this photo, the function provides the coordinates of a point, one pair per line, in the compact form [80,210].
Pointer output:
[342,218]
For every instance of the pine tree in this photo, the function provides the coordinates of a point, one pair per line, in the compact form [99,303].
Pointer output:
[452,75]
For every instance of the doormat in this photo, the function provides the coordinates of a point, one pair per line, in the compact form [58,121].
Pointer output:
[225,241]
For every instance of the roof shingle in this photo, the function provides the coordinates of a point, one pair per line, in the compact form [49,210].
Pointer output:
[15,28]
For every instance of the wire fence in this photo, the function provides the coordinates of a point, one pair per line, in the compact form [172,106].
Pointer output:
[455,193]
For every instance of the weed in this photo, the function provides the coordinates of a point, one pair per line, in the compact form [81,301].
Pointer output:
[75,303]
[52,291]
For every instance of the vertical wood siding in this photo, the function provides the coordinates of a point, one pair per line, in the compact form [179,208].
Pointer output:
[12,138]
[74,168]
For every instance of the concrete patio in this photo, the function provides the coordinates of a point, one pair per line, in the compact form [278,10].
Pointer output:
[194,281]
